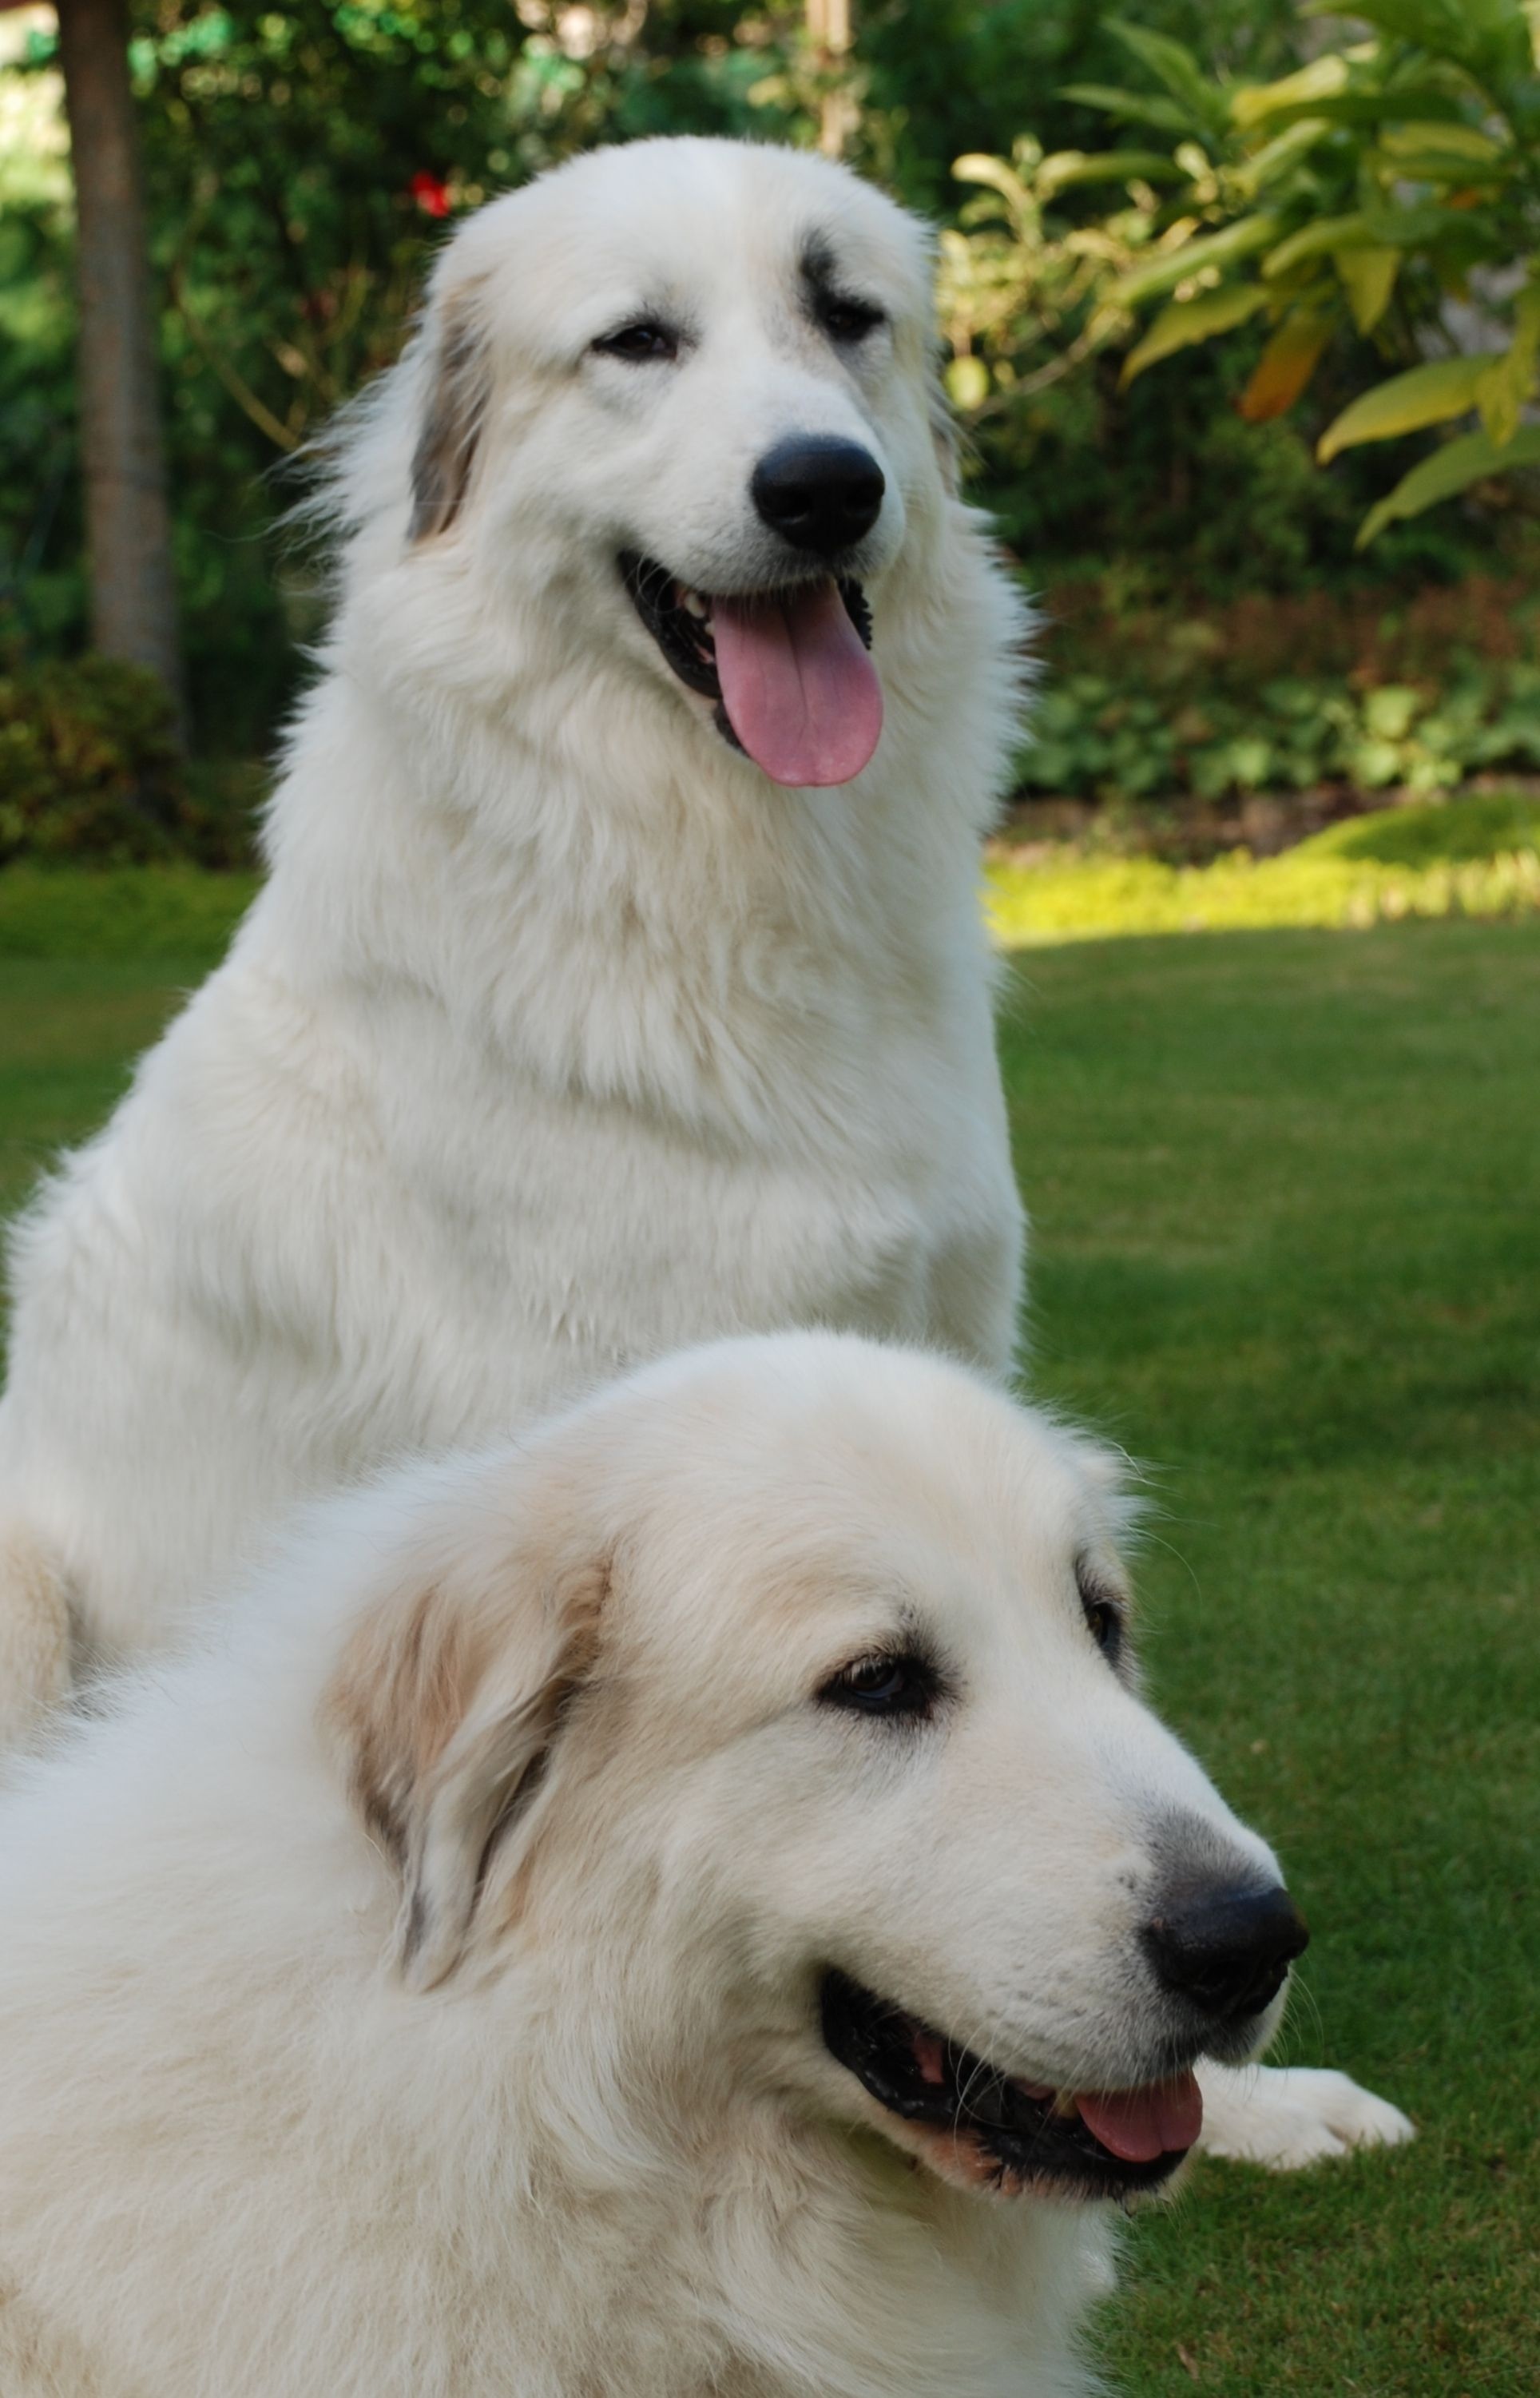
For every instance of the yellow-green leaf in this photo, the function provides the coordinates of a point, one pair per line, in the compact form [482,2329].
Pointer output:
[1362,229]
[1276,157]
[1510,379]
[1327,235]
[1063,169]
[1285,365]
[1323,77]
[1368,276]
[967,383]
[1168,267]
[976,168]
[1443,140]
[1471,459]
[1186,321]
[1425,396]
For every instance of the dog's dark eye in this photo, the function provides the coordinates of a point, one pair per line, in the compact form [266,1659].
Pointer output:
[644,340]
[1104,1616]
[846,320]
[902,1685]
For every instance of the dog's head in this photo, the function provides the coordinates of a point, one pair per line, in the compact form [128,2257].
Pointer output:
[782,1698]
[680,396]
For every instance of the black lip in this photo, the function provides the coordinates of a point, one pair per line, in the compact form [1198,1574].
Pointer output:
[873,2039]
[683,640]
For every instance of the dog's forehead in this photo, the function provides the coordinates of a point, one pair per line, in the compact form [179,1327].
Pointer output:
[857,1510]
[685,223]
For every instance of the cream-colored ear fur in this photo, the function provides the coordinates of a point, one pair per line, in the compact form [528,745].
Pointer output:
[448,1701]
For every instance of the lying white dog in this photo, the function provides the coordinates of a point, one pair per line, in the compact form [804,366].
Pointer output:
[600,1918]
[565,1031]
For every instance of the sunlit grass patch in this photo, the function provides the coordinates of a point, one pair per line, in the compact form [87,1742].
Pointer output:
[1478,857]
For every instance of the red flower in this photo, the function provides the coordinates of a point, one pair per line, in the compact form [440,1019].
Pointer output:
[430,194]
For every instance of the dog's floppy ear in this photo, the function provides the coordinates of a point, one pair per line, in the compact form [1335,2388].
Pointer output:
[448,1703]
[459,386]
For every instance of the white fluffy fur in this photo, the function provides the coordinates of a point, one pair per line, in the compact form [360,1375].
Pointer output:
[589,2144]
[559,1036]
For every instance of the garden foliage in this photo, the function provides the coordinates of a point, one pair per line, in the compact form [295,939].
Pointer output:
[1275,694]
[303,161]
[1385,194]
[90,772]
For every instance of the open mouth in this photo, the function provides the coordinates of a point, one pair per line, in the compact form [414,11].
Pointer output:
[1009,2134]
[788,671]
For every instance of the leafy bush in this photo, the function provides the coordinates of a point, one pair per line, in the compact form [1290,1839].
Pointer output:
[1458,858]
[1101,736]
[89,769]
[1360,197]
[1144,703]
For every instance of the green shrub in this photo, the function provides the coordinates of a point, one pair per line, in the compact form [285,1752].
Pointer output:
[1342,206]
[90,769]
[1272,694]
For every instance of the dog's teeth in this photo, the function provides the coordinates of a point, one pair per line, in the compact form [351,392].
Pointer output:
[693,604]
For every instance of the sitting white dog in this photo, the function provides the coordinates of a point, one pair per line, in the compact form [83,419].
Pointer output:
[689,1905]
[579,1017]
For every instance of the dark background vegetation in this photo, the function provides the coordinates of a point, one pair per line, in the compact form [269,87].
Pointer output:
[304,158]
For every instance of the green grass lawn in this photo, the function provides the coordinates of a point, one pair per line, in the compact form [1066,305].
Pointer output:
[1286,1249]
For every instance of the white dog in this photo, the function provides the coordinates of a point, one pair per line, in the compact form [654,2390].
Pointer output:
[601,1916]
[579,1017]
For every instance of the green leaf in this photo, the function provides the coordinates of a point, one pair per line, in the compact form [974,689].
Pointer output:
[1370,107]
[1139,108]
[1454,141]
[1186,321]
[1489,38]
[1317,240]
[1063,169]
[1425,396]
[1363,228]
[1276,156]
[1175,66]
[1368,276]
[1170,267]
[1510,379]
[1470,459]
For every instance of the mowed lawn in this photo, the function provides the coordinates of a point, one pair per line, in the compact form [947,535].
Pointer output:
[1287,1250]
[1286,1192]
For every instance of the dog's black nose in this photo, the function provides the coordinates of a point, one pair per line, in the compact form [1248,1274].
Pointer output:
[1226,1947]
[817,493]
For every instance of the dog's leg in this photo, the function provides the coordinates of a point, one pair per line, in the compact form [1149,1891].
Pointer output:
[34,1635]
[1286,2116]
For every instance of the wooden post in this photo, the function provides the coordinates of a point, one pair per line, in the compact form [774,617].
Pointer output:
[128,523]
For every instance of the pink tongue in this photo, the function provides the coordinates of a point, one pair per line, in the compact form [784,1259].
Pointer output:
[1141,2124]
[800,690]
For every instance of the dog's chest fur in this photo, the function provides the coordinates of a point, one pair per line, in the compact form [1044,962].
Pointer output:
[493,1098]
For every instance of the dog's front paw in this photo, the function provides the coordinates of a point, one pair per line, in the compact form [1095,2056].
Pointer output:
[1288,2116]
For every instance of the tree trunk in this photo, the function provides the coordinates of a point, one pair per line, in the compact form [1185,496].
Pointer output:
[828,24]
[128,524]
